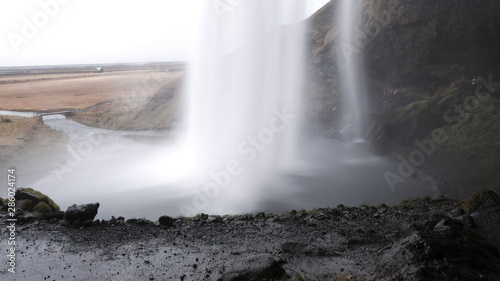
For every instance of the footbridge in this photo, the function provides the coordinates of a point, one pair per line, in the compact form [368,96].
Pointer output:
[63,111]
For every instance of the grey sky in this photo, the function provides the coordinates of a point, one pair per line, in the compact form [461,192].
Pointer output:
[48,32]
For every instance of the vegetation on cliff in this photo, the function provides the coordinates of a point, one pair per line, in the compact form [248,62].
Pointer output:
[428,51]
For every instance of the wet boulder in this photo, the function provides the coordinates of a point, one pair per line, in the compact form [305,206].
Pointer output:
[30,200]
[295,248]
[484,212]
[81,213]
[448,252]
[253,268]
[166,221]
[485,201]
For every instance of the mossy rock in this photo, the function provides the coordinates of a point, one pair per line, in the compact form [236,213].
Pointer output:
[42,208]
[27,205]
[36,197]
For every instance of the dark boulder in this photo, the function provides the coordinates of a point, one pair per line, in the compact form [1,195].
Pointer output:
[30,200]
[484,212]
[81,213]
[446,253]
[485,201]
[166,221]
[253,268]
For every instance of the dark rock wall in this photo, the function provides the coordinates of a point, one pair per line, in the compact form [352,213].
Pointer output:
[429,51]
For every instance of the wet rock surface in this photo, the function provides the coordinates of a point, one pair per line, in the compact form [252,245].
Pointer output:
[253,268]
[420,239]
[81,213]
[429,51]
[446,252]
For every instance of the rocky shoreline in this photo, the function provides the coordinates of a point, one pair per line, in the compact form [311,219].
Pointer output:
[420,239]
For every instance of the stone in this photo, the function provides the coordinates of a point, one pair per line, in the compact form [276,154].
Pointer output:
[457,212]
[260,216]
[87,223]
[166,221]
[368,237]
[81,212]
[28,199]
[26,218]
[295,248]
[485,201]
[214,219]
[253,268]
[439,197]
[447,254]
[447,224]
[132,221]
[42,208]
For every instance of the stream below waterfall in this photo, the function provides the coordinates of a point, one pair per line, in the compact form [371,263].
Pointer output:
[137,179]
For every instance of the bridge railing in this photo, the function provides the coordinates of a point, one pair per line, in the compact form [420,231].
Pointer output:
[53,111]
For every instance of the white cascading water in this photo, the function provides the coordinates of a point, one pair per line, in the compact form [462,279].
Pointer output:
[241,150]
[244,98]
[351,70]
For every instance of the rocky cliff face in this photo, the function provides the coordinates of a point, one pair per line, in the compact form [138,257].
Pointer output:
[428,51]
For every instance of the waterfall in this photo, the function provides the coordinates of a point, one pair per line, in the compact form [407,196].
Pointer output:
[351,70]
[244,96]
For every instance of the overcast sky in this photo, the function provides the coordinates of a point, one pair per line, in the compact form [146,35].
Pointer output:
[51,32]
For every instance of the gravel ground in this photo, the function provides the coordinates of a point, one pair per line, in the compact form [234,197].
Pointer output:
[318,243]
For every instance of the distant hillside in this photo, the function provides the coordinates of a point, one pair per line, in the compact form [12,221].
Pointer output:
[157,113]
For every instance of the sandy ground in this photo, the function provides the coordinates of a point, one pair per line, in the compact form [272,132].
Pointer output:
[81,90]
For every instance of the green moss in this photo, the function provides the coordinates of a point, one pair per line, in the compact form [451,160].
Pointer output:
[413,110]
[42,208]
[411,201]
[195,217]
[43,198]
[472,150]
[27,205]
[312,212]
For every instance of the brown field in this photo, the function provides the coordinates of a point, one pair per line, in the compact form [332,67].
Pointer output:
[37,91]
[22,140]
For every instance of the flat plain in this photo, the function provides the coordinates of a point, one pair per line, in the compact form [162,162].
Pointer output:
[80,88]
